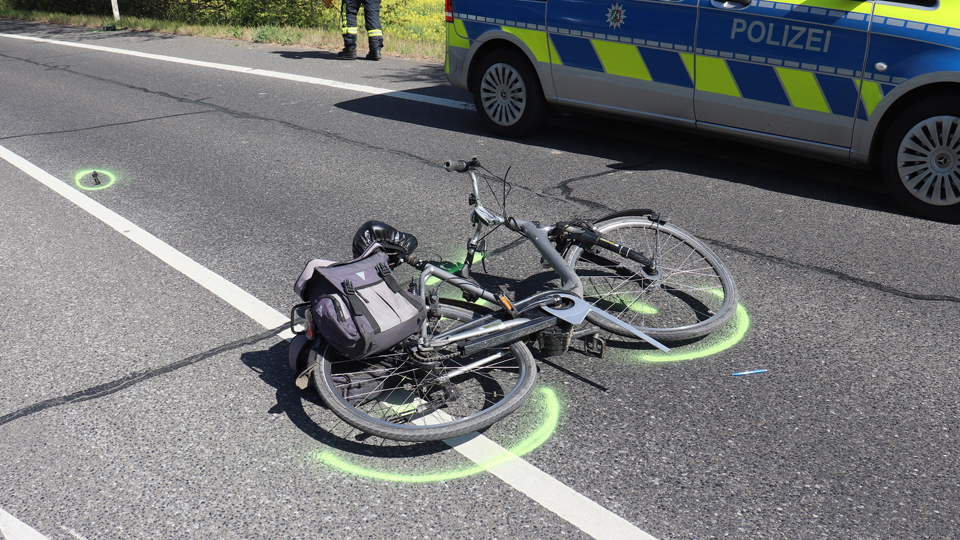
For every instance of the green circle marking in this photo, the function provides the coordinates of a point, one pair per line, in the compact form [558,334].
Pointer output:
[741,325]
[111,178]
[532,442]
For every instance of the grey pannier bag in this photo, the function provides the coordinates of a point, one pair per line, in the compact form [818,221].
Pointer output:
[358,307]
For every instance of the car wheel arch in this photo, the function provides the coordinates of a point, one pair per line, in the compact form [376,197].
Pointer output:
[494,43]
[890,112]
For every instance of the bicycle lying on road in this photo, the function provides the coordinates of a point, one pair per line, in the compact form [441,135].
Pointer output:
[630,273]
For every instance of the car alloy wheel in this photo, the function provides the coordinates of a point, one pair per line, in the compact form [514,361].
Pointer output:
[503,94]
[928,161]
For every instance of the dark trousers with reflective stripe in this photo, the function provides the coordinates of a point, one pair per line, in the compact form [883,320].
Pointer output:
[371,15]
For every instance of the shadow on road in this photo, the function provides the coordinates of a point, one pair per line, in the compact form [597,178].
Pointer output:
[411,72]
[629,146]
[307,411]
[306,55]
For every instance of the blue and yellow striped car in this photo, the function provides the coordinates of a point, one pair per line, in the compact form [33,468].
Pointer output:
[868,83]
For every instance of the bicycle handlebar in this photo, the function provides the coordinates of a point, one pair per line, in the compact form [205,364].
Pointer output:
[458,165]
[540,236]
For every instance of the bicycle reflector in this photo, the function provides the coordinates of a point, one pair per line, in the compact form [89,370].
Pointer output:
[311,328]
[505,302]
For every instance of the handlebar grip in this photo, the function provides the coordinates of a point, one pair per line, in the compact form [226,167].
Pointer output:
[455,165]
[458,165]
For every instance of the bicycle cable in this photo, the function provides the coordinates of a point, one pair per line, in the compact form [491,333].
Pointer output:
[507,189]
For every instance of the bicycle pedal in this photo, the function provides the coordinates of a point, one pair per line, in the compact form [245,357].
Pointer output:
[594,345]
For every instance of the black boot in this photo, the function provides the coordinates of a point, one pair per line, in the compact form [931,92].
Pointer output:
[348,54]
[376,43]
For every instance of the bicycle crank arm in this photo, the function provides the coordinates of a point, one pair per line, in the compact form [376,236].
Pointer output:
[576,313]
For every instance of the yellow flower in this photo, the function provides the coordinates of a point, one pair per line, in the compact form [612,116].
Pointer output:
[413,19]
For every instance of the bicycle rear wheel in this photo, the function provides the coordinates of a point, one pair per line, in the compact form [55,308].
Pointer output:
[419,399]
[688,295]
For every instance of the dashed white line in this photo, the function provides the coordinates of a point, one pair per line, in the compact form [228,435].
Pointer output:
[362,88]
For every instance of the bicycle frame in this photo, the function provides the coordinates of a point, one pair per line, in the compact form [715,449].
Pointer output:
[570,291]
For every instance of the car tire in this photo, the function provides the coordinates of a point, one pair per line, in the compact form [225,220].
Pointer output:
[508,94]
[920,158]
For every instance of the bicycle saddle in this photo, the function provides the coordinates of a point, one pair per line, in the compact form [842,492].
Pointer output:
[392,240]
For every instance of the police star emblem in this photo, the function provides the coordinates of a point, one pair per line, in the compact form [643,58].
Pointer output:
[615,15]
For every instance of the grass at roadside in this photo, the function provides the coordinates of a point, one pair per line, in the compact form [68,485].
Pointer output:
[415,37]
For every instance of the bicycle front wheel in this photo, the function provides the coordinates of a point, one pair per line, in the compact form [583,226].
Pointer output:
[401,396]
[687,293]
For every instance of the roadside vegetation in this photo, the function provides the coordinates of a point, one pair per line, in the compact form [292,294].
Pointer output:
[412,28]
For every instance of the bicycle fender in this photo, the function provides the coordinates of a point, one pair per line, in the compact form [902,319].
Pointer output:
[303,377]
[623,213]
[296,347]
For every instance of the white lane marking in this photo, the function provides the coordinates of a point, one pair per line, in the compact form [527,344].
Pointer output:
[74,533]
[362,88]
[213,282]
[551,493]
[12,528]
[570,505]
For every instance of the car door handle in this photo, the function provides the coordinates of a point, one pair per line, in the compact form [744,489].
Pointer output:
[731,4]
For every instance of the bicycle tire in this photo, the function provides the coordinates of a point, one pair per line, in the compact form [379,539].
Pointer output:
[484,395]
[693,296]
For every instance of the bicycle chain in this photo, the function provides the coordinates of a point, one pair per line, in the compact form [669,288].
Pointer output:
[437,358]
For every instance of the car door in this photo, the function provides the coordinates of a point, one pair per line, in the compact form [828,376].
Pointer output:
[787,68]
[633,57]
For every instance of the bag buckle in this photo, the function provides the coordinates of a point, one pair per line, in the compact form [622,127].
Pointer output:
[348,287]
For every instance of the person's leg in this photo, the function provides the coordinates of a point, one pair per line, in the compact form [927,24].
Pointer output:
[348,23]
[371,15]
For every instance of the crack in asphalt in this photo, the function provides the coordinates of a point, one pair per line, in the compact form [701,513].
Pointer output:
[101,126]
[112,387]
[566,191]
[830,272]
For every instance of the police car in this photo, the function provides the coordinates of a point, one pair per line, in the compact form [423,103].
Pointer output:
[869,83]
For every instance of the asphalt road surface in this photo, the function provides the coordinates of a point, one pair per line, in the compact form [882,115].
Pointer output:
[144,391]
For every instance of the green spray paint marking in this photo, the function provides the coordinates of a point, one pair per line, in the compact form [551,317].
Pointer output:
[643,309]
[742,324]
[110,179]
[453,268]
[534,441]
